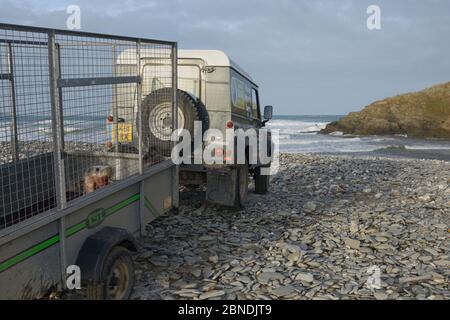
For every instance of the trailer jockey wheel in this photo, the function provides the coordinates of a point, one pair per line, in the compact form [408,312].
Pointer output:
[117,277]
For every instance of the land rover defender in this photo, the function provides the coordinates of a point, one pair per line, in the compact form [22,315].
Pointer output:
[218,94]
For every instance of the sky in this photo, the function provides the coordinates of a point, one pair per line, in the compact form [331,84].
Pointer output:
[308,57]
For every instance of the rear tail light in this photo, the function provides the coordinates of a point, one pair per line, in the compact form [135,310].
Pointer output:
[228,156]
[218,152]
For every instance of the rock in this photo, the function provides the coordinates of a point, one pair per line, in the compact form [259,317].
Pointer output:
[380,295]
[208,287]
[179,284]
[305,277]
[190,286]
[396,193]
[431,251]
[381,239]
[354,228]
[234,263]
[212,294]
[425,258]
[207,272]
[414,114]
[196,273]
[187,293]
[353,244]
[265,277]
[289,247]
[163,282]
[244,279]
[425,198]
[442,263]
[206,238]
[310,207]
[294,257]
[283,291]
[159,261]
[415,279]
[214,259]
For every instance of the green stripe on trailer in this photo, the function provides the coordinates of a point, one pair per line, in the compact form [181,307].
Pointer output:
[75,229]
[122,204]
[28,253]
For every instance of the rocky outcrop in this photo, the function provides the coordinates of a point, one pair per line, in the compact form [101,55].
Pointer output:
[422,114]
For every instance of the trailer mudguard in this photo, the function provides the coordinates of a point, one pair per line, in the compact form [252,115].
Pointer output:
[96,248]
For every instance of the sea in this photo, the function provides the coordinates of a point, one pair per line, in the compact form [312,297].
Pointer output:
[82,128]
[296,134]
[300,134]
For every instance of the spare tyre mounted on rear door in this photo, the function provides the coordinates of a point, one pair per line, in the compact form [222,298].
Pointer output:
[157,118]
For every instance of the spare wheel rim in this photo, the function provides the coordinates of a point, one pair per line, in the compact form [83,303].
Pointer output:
[160,121]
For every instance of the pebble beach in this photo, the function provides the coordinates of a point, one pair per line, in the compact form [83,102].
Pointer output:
[332,227]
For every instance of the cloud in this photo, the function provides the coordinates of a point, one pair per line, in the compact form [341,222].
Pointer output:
[308,56]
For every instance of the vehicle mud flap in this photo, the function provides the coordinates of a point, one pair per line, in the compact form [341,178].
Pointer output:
[220,187]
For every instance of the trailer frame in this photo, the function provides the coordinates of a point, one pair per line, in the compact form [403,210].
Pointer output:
[36,249]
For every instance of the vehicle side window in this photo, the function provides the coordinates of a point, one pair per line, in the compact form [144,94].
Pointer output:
[248,98]
[255,104]
[241,94]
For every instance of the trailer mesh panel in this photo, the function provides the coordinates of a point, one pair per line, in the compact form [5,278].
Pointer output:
[71,115]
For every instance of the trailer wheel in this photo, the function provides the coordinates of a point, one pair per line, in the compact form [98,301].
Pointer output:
[261,182]
[241,186]
[117,277]
[157,118]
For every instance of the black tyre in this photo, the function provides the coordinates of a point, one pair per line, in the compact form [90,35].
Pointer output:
[241,186]
[117,277]
[261,182]
[157,118]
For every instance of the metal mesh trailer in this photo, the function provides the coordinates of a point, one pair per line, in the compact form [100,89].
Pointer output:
[73,159]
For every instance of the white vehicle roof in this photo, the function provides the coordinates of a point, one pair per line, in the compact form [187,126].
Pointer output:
[214,58]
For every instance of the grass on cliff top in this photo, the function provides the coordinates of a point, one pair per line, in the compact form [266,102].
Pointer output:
[433,101]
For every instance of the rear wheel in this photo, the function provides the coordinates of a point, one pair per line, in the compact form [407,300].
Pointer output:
[261,181]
